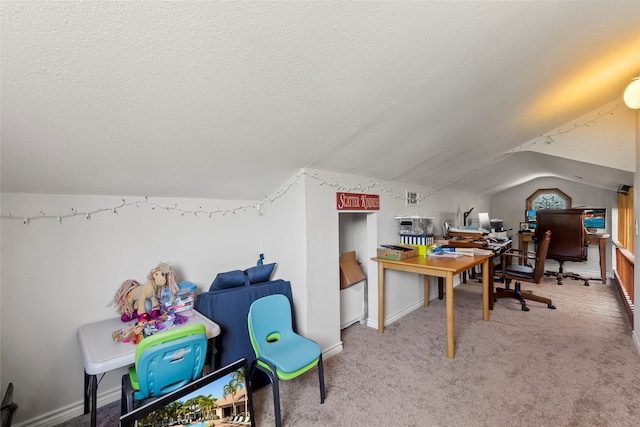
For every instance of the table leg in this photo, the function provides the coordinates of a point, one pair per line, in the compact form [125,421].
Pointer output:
[492,275]
[94,399]
[380,298]
[211,352]
[485,288]
[86,393]
[602,249]
[492,291]
[523,245]
[426,290]
[449,303]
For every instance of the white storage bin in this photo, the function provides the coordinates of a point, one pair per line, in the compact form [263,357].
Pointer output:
[415,225]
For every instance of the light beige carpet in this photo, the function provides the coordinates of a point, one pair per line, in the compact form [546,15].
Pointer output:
[574,366]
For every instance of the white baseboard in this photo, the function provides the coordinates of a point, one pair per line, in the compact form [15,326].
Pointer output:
[69,412]
[433,294]
[74,410]
[332,351]
[373,323]
[348,323]
[636,339]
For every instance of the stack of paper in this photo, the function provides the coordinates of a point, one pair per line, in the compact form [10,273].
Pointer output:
[466,251]
[478,251]
[444,254]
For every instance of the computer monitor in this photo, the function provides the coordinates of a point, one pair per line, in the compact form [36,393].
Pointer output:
[173,407]
[484,221]
[595,218]
[530,217]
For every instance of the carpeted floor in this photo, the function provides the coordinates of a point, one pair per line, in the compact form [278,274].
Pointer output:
[574,366]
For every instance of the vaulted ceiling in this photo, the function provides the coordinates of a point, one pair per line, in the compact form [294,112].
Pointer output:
[228,100]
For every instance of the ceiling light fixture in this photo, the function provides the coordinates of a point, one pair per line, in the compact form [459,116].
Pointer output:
[632,94]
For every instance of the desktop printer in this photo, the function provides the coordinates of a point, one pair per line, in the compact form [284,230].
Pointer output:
[497,229]
[496,225]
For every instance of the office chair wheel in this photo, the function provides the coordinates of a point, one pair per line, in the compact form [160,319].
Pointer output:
[525,308]
[551,306]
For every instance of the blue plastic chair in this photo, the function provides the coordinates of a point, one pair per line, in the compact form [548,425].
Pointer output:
[280,352]
[164,362]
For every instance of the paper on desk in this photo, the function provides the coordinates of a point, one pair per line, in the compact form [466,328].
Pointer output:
[473,251]
[479,251]
[465,251]
[458,252]
[444,254]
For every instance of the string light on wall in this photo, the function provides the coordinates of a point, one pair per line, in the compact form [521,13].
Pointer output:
[547,138]
[261,206]
[373,185]
[114,209]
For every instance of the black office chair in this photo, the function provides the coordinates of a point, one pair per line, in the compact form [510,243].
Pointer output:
[508,271]
[569,241]
[8,407]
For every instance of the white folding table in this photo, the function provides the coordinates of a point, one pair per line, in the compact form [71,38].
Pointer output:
[100,353]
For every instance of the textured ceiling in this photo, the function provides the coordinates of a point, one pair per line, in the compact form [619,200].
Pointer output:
[228,100]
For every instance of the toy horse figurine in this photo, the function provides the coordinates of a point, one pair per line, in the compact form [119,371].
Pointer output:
[134,300]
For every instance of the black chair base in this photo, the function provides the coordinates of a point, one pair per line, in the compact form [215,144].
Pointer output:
[127,402]
[273,377]
[560,274]
[576,277]
[126,399]
[521,296]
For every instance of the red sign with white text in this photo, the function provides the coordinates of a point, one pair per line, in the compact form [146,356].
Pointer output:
[357,202]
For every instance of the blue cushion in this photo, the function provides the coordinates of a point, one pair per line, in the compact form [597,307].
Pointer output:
[227,280]
[260,273]
[229,309]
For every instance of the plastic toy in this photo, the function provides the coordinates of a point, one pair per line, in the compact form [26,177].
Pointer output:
[136,301]
[143,329]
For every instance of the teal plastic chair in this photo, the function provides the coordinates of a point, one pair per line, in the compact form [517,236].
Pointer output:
[280,353]
[164,362]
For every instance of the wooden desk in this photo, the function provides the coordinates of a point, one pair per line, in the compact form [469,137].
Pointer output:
[100,353]
[523,243]
[438,267]
[599,240]
[498,249]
